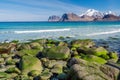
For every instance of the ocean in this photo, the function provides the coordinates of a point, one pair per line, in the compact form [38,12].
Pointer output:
[34,30]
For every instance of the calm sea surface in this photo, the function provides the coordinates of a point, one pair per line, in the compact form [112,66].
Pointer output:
[34,30]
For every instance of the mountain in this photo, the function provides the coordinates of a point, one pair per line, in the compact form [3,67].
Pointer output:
[89,15]
[53,18]
[92,13]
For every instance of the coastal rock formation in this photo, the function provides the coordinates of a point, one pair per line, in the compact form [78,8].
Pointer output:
[89,15]
[54,18]
[47,59]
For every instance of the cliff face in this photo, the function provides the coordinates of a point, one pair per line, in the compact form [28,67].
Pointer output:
[70,17]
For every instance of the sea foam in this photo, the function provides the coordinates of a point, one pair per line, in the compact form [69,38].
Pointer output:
[103,33]
[40,31]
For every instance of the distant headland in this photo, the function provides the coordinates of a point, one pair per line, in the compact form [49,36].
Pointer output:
[89,15]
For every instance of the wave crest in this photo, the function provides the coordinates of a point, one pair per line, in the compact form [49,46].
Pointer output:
[40,31]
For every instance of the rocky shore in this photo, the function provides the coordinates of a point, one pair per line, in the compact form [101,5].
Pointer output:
[47,59]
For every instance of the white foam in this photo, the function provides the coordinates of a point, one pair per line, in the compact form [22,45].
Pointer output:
[103,33]
[40,31]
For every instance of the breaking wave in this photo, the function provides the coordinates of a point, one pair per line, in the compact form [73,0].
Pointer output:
[40,31]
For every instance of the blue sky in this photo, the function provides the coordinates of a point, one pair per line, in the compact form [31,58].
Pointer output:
[40,10]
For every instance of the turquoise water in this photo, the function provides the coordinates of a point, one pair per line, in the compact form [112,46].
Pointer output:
[33,30]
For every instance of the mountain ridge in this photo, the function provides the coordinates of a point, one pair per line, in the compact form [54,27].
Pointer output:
[89,15]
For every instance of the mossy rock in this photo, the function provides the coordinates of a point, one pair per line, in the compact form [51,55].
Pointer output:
[100,51]
[92,71]
[57,69]
[32,52]
[13,70]
[45,75]
[6,76]
[10,62]
[83,43]
[51,63]
[92,58]
[29,63]
[50,45]
[23,77]
[114,56]
[1,60]
[62,44]
[36,45]
[34,73]
[4,55]
[57,52]
[23,46]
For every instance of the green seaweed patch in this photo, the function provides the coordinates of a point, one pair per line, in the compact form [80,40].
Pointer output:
[100,51]
[92,58]
[32,52]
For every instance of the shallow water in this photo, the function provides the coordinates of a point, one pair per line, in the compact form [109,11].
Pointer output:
[34,30]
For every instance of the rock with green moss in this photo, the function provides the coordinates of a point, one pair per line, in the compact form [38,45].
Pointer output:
[23,77]
[34,73]
[51,63]
[92,58]
[45,75]
[13,70]
[83,43]
[22,46]
[29,63]
[100,51]
[32,52]
[1,60]
[6,76]
[4,55]
[36,45]
[62,44]
[11,62]
[83,70]
[114,56]
[59,52]
[57,69]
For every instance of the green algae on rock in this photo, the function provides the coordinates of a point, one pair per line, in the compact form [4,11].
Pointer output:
[29,63]
[57,52]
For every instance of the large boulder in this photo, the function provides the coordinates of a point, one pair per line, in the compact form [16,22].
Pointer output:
[59,52]
[83,70]
[30,63]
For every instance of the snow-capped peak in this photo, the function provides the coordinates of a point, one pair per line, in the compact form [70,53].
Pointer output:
[92,13]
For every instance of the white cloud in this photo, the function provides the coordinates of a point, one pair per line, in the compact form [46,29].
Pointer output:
[35,9]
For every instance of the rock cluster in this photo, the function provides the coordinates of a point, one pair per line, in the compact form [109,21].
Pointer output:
[46,59]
